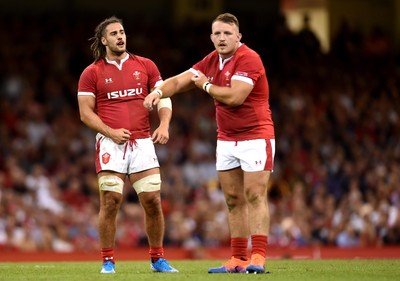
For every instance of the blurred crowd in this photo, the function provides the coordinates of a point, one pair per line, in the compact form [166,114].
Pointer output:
[336,180]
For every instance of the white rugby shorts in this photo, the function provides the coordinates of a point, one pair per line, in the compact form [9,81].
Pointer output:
[250,155]
[131,157]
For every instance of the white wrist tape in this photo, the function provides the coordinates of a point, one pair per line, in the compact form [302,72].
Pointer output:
[165,102]
[159,92]
[207,86]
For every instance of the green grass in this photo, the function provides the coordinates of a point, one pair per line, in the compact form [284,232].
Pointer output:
[279,270]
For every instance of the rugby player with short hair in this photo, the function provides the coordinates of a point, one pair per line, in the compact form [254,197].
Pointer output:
[234,76]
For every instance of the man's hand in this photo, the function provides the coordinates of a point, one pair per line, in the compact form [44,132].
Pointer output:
[119,136]
[152,99]
[199,79]
[160,135]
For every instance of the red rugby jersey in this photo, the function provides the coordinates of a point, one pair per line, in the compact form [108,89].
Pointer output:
[120,91]
[252,119]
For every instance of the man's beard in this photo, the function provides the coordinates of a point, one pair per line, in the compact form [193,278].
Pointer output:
[118,52]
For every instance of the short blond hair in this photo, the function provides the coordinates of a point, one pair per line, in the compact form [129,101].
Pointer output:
[227,18]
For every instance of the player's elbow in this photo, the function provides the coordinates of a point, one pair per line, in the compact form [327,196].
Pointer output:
[234,101]
[235,98]
[84,118]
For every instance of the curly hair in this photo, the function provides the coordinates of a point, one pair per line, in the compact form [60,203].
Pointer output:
[98,49]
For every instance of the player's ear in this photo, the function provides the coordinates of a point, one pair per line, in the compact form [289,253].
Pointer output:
[239,36]
[104,41]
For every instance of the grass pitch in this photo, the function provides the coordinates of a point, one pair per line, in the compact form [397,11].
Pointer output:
[278,270]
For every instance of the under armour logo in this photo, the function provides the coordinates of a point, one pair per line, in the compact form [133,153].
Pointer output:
[258,162]
[108,80]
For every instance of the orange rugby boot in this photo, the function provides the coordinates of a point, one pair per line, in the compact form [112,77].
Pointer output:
[233,265]
[257,264]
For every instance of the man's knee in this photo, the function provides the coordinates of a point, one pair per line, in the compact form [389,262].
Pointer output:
[234,201]
[255,198]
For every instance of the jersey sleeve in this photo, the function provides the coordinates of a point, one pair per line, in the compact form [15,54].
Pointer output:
[87,82]
[248,68]
[154,74]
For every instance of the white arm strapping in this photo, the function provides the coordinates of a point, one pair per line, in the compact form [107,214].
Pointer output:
[164,102]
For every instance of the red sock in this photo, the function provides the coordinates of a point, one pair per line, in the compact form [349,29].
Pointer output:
[239,248]
[156,253]
[259,244]
[107,254]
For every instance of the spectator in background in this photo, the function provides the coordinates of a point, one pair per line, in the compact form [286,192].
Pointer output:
[308,42]
[47,196]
